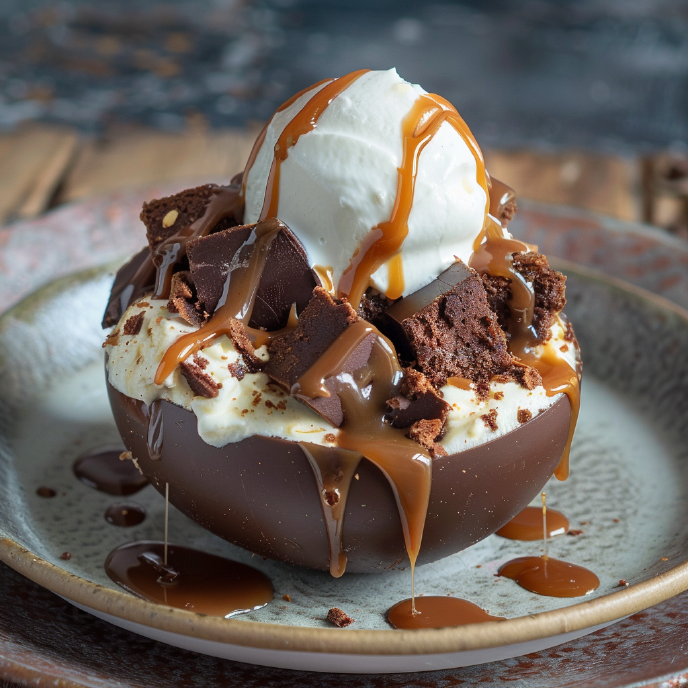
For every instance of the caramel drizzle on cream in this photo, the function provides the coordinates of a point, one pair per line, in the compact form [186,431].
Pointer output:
[384,241]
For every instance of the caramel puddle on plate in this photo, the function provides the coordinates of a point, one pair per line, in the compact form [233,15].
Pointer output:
[527,525]
[103,470]
[437,612]
[551,577]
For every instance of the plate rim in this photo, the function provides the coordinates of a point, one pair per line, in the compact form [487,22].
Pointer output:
[270,636]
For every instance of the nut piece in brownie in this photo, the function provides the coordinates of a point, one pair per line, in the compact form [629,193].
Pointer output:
[549,287]
[449,330]
[286,278]
[321,323]
[165,217]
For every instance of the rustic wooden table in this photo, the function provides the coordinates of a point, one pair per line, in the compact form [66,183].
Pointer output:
[42,167]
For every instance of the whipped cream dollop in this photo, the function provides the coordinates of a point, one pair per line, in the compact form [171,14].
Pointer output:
[254,405]
[340,181]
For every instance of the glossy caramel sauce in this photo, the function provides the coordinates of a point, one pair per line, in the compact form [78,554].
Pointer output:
[527,525]
[334,468]
[437,612]
[103,470]
[383,242]
[304,121]
[551,577]
[191,580]
[125,515]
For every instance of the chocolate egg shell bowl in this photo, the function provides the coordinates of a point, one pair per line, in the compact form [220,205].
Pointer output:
[352,413]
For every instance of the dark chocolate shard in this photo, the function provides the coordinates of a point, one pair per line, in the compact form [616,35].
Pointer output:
[448,329]
[286,279]
[165,217]
[321,323]
[417,400]
[133,280]
[201,383]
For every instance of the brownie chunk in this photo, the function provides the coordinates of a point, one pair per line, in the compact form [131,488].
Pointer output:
[549,287]
[183,299]
[426,433]
[286,278]
[201,383]
[417,400]
[450,330]
[320,325]
[165,217]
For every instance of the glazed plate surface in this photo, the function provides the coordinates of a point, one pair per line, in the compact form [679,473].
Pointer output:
[626,493]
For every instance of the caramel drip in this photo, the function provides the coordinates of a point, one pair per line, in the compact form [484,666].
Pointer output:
[223,204]
[325,276]
[306,120]
[331,362]
[263,132]
[383,242]
[192,580]
[461,383]
[334,469]
[236,302]
[527,525]
[262,337]
[550,577]
[437,612]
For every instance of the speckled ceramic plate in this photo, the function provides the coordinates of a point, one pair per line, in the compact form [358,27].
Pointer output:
[629,480]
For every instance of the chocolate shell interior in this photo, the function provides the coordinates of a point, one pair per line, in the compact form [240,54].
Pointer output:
[261,493]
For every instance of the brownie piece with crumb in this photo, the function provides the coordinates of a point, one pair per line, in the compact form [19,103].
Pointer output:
[549,287]
[165,217]
[427,433]
[417,400]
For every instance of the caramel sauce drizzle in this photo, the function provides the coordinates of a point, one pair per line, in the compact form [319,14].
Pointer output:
[334,469]
[383,242]
[306,120]
[236,302]
[405,464]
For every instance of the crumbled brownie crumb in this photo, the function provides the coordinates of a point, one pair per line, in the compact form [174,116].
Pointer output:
[426,432]
[569,335]
[330,437]
[244,346]
[499,396]
[337,617]
[623,583]
[286,598]
[183,299]
[523,415]
[490,419]
[331,497]
[201,383]
[574,532]
[66,556]
[237,370]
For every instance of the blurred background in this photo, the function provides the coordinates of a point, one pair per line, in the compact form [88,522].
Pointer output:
[583,103]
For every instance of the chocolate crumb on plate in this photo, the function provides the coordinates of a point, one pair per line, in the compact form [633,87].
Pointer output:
[574,532]
[339,618]
[623,583]
[65,556]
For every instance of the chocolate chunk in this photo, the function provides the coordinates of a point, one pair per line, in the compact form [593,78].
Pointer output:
[426,432]
[286,278]
[201,383]
[417,400]
[503,204]
[339,618]
[133,324]
[190,205]
[183,299]
[449,330]
[320,325]
[132,281]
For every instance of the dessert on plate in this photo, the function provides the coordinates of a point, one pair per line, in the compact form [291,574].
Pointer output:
[343,359]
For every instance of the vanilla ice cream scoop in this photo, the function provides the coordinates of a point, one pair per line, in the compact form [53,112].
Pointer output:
[339,182]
